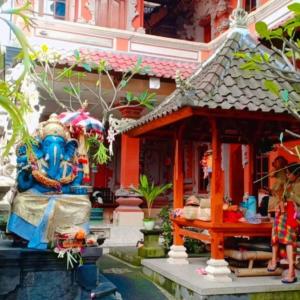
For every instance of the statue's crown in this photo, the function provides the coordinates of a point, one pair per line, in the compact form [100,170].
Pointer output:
[53,127]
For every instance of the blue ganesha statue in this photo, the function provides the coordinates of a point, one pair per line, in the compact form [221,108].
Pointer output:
[53,166]
[51,196]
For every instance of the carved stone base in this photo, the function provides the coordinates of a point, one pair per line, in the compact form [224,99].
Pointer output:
[218,270]
[177,255]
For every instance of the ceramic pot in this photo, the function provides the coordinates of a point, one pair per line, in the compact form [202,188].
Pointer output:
[132,112]
[149,224]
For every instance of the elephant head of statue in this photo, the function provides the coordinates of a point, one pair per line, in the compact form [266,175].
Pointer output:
[53,163]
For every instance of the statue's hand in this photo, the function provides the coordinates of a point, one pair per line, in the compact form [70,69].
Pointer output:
[24,178]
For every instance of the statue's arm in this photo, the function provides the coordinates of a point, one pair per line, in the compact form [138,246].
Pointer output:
[24,175]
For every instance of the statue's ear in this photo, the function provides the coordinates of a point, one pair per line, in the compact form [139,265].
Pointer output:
[38,149]
[70,149]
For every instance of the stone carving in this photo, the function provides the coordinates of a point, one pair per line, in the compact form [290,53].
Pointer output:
[45,177]
[202,11]
[90,5]
[132,13]
[239,17]
[52,167]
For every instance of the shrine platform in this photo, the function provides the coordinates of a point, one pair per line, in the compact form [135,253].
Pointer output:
[183,282]
[27,274]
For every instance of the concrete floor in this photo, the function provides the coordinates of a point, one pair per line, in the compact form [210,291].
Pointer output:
[186,276]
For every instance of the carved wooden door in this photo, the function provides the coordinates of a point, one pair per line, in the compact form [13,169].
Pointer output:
[111,13]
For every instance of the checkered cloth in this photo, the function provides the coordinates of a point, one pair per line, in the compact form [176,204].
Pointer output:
[283,233]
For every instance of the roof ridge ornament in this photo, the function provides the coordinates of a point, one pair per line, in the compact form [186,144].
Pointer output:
[238,17]
[182,84]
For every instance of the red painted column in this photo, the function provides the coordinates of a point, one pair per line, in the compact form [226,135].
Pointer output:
[217,183]
[217,193]
[178,181]
[178,171]
[249,171]
[130,156]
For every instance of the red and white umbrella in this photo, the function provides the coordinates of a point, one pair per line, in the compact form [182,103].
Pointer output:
[81,125]
[82,120]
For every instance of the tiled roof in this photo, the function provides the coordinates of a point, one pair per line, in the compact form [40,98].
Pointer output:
[122,61]
[221,83]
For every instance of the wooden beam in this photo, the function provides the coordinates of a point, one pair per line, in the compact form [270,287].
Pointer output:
[194,235]
[187,112]
[181,114]
[244,114]
[217,182]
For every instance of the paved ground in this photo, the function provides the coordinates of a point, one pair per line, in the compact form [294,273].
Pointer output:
[187,276]
[131,283]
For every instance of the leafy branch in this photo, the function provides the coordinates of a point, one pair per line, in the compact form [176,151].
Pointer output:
[12,99]
[283,62]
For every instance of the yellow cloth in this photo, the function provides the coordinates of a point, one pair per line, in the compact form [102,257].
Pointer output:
[69,210]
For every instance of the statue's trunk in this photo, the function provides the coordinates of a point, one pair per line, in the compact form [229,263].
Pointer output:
[55,153]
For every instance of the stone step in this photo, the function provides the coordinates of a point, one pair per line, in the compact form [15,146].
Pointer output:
[89,277]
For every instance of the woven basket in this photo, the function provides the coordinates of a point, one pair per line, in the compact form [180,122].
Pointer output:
[190,212]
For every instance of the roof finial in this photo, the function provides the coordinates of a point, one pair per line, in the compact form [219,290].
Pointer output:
[239,16]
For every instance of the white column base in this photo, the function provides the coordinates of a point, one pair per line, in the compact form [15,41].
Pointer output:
[124,218]
[218,270]
[177,255]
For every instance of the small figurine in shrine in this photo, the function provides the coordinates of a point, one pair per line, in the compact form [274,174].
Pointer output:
[285,225]
[51,193]
[206,163]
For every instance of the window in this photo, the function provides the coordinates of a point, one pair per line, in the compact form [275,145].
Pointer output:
[55,8]
[262,170]
[250,5]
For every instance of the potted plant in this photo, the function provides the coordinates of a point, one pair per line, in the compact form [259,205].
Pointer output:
[132,106]
[150,192]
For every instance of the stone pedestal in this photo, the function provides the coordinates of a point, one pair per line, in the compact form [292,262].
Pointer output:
[218,270]
[27,274]
[177,255]
[151,247]
[128,213]
[4,204]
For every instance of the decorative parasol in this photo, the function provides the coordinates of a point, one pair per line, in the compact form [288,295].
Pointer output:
[82,125]
[82,120]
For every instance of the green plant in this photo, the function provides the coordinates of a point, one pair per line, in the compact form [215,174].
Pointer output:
[12,99]
[194,246]
[283,62]
[73,79]
[143,99]
[150,192]
[166,227]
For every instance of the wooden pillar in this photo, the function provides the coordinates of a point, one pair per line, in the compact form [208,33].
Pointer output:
[130,157]
[217,245]
[178,181]
[178,170]
[217,192]
[217,184]
[249,171]
[177,239]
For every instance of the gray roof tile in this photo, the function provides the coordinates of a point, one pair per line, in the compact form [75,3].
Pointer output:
[220,82]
